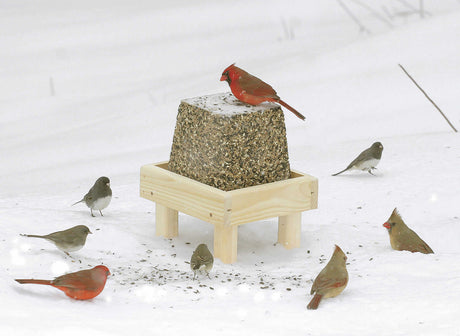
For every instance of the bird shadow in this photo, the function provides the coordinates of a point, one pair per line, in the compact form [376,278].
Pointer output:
[41,294]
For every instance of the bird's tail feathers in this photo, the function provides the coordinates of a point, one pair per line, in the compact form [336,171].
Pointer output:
[290,108]
[82,200]
[314,303]
[31,236]
[33,281]
[340,172]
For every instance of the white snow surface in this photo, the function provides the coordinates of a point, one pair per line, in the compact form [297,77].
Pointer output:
[91,88]
[226,104]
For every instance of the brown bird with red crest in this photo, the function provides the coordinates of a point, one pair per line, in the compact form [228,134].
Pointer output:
[81,285]
[252,90]
[332,279]
[402,238]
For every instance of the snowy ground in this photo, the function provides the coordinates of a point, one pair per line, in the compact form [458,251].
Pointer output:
[92,89]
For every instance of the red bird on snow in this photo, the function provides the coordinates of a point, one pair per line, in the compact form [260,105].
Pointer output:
[252,90]
[81,285]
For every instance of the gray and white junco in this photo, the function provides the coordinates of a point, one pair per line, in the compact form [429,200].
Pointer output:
[99,196]
[202,260]
[367,160]
[69,240]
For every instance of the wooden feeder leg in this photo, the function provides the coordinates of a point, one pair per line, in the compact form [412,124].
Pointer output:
[225,242]
[166,221]
[289,230]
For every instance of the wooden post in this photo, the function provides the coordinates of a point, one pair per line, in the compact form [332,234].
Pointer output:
[289,228]
[166,221]
[225,242]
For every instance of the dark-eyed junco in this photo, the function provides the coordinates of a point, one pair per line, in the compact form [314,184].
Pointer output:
[402,238]
[69,240]
[202,260]
[99,196]
[332,279]
[367,160]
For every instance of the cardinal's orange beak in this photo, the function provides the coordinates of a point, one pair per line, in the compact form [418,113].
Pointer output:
[223,78]
[387,225]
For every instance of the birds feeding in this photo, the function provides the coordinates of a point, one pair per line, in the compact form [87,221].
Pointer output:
[69,240]
[332,279]
[202,260]
[99,196]
[252,90]
[367,160]
[402,238]
[81,285]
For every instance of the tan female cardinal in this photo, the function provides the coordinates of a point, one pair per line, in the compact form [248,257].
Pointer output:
[252,90]
[332,280]
[402,238]
[81,285]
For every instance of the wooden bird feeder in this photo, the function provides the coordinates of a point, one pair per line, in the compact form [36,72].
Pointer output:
[216,200]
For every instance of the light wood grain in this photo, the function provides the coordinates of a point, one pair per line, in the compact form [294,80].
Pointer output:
[236,207]
[182,194]
[275,199]
[289,229]
[227,209]
[225,242]
[166,221]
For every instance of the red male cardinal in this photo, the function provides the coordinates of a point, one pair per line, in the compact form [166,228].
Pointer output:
[332,279]
[81,285]
[250,89]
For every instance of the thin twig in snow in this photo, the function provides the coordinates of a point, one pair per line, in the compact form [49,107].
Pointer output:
[374,12]
[420,10]
[432,102]
[354,18]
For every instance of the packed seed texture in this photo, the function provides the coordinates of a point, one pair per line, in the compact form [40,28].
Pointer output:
[229,145]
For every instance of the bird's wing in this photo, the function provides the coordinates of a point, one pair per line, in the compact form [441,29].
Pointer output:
[257,87]
[80,279]
[414,243]
[359,158]
[323,282]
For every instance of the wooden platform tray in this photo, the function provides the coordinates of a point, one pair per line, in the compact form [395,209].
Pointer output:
[227,209]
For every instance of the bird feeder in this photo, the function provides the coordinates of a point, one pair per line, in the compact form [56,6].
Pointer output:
[229,166]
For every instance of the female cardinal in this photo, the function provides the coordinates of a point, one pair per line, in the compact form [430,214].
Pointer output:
[332,280]
[250,89]
[402,238]
[81,285]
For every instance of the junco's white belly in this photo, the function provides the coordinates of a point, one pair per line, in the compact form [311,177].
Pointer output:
[101,203]
[365,165]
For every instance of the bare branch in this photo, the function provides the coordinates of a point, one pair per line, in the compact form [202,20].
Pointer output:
[354,18]
[432,102]
[374,12]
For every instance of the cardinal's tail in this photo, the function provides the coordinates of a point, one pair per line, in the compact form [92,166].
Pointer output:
[314,303]
[290,108]
[33,281]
